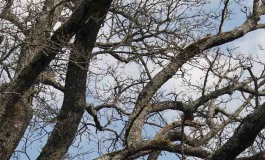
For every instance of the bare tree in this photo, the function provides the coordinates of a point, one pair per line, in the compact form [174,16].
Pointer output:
[131,79]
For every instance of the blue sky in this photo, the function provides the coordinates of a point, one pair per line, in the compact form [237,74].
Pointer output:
[247,44]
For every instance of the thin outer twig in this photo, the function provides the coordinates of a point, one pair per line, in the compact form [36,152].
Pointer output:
[255,84]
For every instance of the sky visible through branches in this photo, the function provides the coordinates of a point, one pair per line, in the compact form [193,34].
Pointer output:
[120,68]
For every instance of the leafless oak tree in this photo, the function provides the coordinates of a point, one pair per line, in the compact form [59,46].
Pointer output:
[131,79]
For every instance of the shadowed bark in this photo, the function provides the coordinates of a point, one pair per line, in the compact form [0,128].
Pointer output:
[13,126]
[145,94]
[13,92]
[27,76]
[74,103]
[17,117]
[243,137]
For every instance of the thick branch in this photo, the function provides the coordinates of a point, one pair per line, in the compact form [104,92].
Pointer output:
[226,90]
[165,145]
[49,80]
[74,105]
[243,137]
[27,76]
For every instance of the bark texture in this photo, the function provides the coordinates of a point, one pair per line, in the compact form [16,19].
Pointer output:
[74,102]
[243,137]
[137,119]
[14,109]
[27,76]
[17,117]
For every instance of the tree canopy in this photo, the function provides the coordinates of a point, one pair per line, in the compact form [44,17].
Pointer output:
[132,79]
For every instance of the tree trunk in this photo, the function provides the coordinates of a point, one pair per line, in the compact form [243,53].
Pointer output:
[75,90]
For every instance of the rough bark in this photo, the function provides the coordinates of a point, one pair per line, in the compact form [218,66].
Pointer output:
[13,126]
[74,102]
[17,117]
[243,137]
[27,76]
[16,95]
[137,119]
[166,145]
[12,93]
